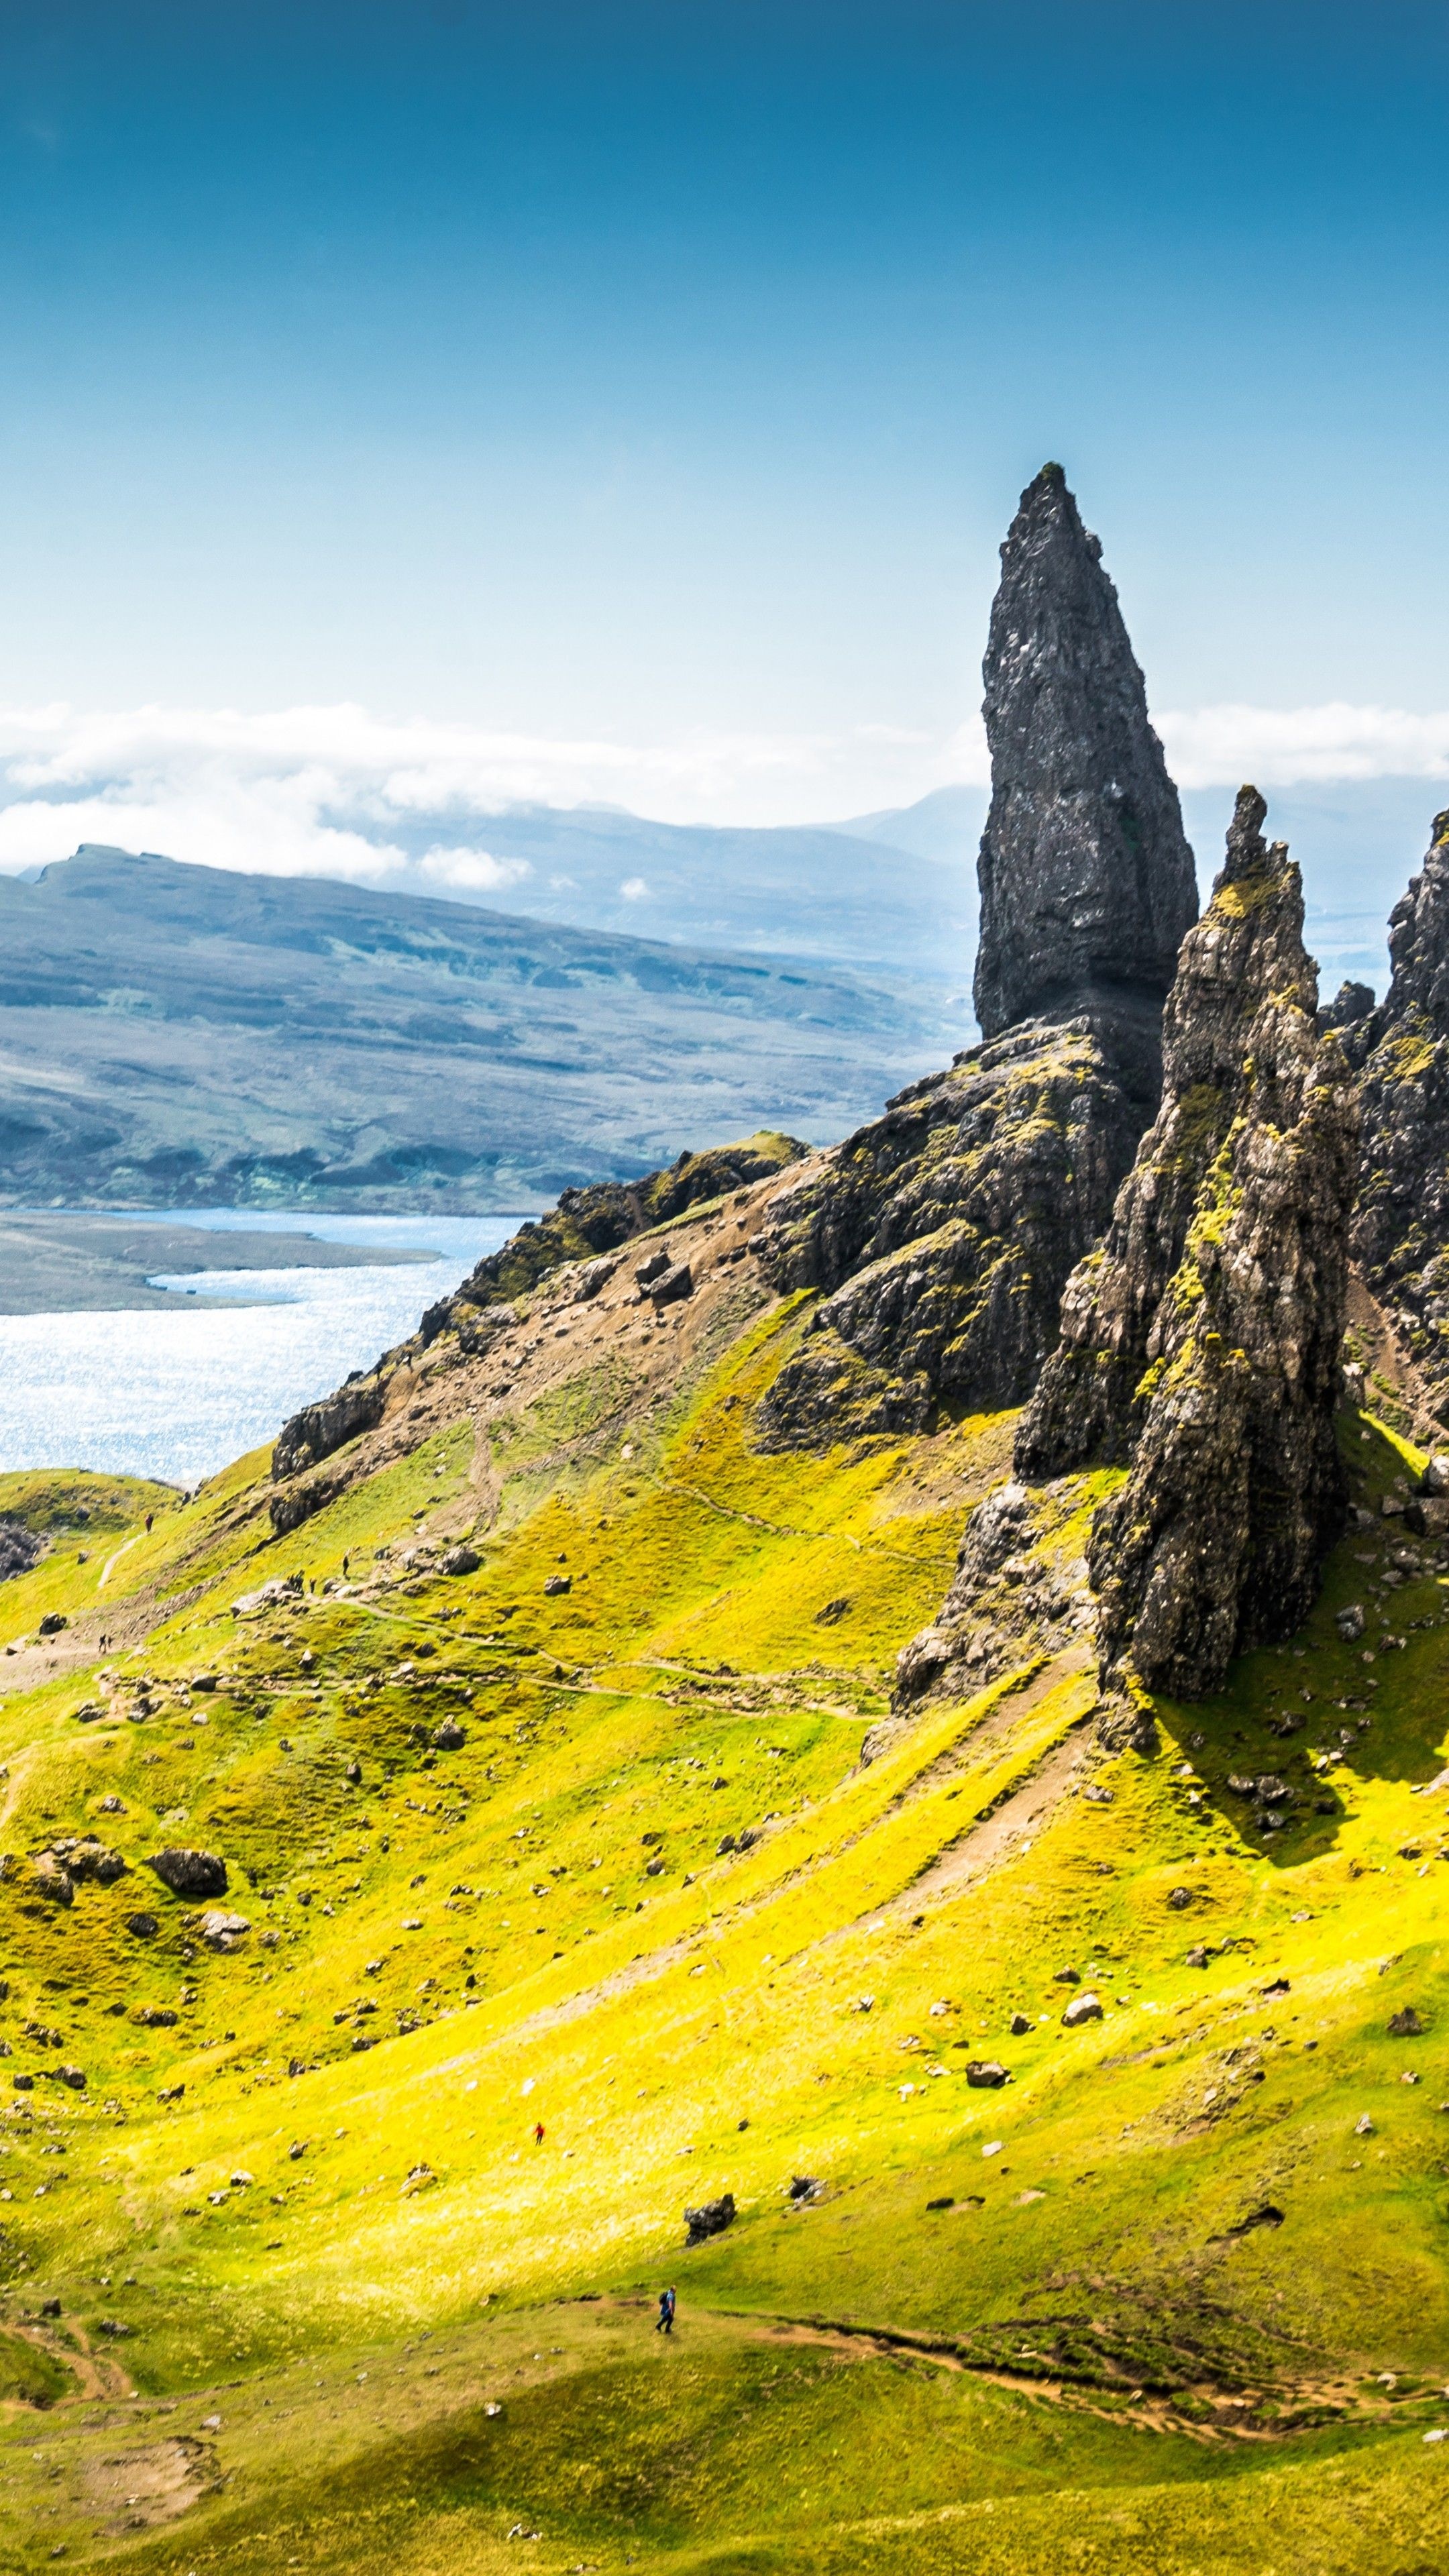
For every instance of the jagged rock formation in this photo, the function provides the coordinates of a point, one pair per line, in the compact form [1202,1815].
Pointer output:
[942,1233]
[1350,1006]
[1200,1342]
[1087,881]
[1401,1225]
[585,1221]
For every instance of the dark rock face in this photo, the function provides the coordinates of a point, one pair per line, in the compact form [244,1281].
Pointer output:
[942,1234]
[711,2220]
[189,1873]
[1349,1007]
[1087,880]
[20,1549]
[1401,1225]
[320,1428]
[1200,1345]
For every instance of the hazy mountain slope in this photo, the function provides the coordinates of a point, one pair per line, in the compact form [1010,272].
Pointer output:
[174,1035]
[819,891]
[1171,2298]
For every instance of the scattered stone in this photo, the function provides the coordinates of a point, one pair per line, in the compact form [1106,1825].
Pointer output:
[53,1879]
[1199,1957]
[1350,1622]
[1363,2128]
[188,1872]
[1181,1897]
[832,1611]
[985,2073]
[674,1284]
[155,2017]
[1081,2008]
[461,1560]
[804,2187]
[450,1737]
[1407,2024]
[144,1927]
[653,1268]
[1067,1977]
[223,1931]
[1019,2025]
[711,2219]
[559,1583]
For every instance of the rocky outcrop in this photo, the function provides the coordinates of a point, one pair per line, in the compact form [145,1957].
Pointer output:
[1401,1225]
[188,1872]
[1199,1347]
[1200,1343]
[941,1234]
[1087,883]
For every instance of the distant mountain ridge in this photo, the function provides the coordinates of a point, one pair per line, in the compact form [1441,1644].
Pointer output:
[180,1035]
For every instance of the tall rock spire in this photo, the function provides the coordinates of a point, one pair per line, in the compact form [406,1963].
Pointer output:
[1087,884]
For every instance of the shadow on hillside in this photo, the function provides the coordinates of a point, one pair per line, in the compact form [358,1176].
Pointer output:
[1376,1705]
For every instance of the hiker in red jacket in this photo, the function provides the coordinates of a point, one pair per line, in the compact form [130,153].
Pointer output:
[538,2133]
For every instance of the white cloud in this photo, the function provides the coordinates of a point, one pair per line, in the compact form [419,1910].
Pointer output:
[340,792]
[1280,746]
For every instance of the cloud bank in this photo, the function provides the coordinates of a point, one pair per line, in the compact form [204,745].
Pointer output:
[339,792]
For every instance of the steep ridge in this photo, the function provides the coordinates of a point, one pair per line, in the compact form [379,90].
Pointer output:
[940,1236]
[1401,1223]
[1200,1342]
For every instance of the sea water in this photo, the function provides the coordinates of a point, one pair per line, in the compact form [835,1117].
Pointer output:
[177,1394]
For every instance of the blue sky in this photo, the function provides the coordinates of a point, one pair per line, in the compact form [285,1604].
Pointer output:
[629,398]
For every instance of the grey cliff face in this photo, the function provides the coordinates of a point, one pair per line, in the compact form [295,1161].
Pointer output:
[1201,1341]
[941,1234]
[1401,1226]
[1087,881]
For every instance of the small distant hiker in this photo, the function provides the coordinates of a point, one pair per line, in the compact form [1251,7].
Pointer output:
[538,2133]
[664,2324]
[150,1516]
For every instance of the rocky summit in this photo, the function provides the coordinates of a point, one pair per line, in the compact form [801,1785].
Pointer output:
[1087,882]
[940,1236]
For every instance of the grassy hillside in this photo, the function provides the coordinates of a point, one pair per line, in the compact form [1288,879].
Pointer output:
[291,2282]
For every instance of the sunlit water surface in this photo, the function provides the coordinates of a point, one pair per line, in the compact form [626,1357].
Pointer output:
[177,1395]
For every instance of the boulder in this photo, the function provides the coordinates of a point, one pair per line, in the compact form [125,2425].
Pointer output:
[222,1931]
[557,1583]
[90,1859]
[1082,2008]
[461,1560]
[674,1283]
[53,1879]
[1407,2024]
[144,1927]
[450,1737]
[985,2072]
[188,1872]
[1019,2025]
[654,1267]
[711,2219]
[1350,1622]
[53,1622]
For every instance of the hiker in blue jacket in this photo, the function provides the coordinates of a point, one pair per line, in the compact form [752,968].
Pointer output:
[664,2323]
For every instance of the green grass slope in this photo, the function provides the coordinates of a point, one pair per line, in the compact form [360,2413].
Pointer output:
[289,2280]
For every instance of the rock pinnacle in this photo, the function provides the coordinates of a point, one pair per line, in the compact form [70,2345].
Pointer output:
[1087,884]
